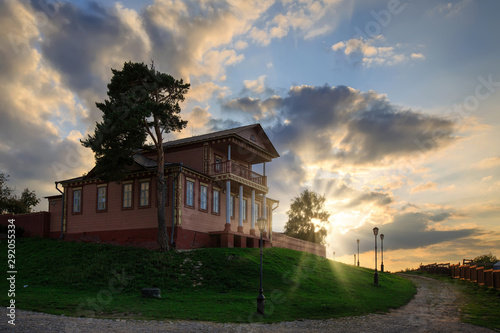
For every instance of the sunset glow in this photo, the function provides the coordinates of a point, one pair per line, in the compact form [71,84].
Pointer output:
[391,112]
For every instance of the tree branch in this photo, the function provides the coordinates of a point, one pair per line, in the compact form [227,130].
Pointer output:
[149,132]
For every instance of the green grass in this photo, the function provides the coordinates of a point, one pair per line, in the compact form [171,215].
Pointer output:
[481,305]
[97,280]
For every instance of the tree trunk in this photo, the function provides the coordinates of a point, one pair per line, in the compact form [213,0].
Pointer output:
[162,237]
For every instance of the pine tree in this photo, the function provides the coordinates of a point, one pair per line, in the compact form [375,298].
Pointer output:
[142,103]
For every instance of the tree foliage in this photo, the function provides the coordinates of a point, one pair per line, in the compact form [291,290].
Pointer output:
[10,203]
[486,258]
[307,217]
[142,103]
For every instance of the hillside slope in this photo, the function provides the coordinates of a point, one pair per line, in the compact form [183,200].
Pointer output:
[98,280]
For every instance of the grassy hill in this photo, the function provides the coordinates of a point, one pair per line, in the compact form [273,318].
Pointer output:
[98,280]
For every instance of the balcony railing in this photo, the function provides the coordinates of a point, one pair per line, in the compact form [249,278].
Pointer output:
[238,170]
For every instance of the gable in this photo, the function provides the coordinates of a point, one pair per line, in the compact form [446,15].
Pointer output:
[257,136]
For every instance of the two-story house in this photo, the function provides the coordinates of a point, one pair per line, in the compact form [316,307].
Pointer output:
[214,197]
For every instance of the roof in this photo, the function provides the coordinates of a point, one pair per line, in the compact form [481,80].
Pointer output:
[206,136]
[148,163]
[53,197]
[144,161]
[223,133]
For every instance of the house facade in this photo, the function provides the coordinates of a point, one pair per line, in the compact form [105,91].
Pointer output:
[213,196]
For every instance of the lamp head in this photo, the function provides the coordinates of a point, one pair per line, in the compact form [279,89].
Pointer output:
[382,236]
[357,241]
[261,223]
[375,231]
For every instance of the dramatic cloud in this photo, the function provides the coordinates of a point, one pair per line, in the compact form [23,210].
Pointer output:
[83,44]
[195,38]
[341,125]
[409,230]
[254,109]
[375,52]
[344,197]
[257,86]
[424,187]
[308,18]
[34,107]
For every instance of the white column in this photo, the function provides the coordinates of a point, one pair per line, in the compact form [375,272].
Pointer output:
[228,201]
[252,217]
[264,208]
[240,217]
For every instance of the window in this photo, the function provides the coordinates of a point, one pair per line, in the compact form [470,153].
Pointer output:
[101,197]
[218,163]
[77,201]
[257,211]
[203,197]
[190,193]
[244,209]
[216,202]
[127,195]
[144,193]
[231,204]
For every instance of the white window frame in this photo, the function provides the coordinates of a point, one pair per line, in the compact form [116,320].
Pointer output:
[190,193]
[216,201]
[77,200]
[127,195]
[144,193]
[203,196]
[101,197]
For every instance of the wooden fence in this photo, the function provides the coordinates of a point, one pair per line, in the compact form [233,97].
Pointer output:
[480,273]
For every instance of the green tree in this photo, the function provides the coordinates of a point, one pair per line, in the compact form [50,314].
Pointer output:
[307,217]
[142,103]
[10,203]
[486,258]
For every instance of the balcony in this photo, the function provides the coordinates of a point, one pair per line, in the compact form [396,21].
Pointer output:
[231,167]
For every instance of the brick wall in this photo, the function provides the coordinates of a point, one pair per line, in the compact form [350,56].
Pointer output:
[35,224]
[283,241]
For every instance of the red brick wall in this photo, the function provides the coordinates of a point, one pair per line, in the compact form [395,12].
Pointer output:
[190,239]
[34,224]
[281,240]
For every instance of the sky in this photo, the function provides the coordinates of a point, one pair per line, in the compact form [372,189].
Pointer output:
[387,108]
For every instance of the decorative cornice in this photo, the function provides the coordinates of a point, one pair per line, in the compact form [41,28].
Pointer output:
[241,180]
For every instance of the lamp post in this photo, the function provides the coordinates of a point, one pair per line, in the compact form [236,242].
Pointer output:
[358,252]
[375,275]
[261,300]
[382,252]
[333,255]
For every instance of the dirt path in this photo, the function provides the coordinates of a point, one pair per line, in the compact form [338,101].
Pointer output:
[433,309]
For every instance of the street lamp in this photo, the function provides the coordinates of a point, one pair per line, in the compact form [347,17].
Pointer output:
[358,252]
[261,300]
[382,250]
[375,275]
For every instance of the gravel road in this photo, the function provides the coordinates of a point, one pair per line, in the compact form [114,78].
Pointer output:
[433,309]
